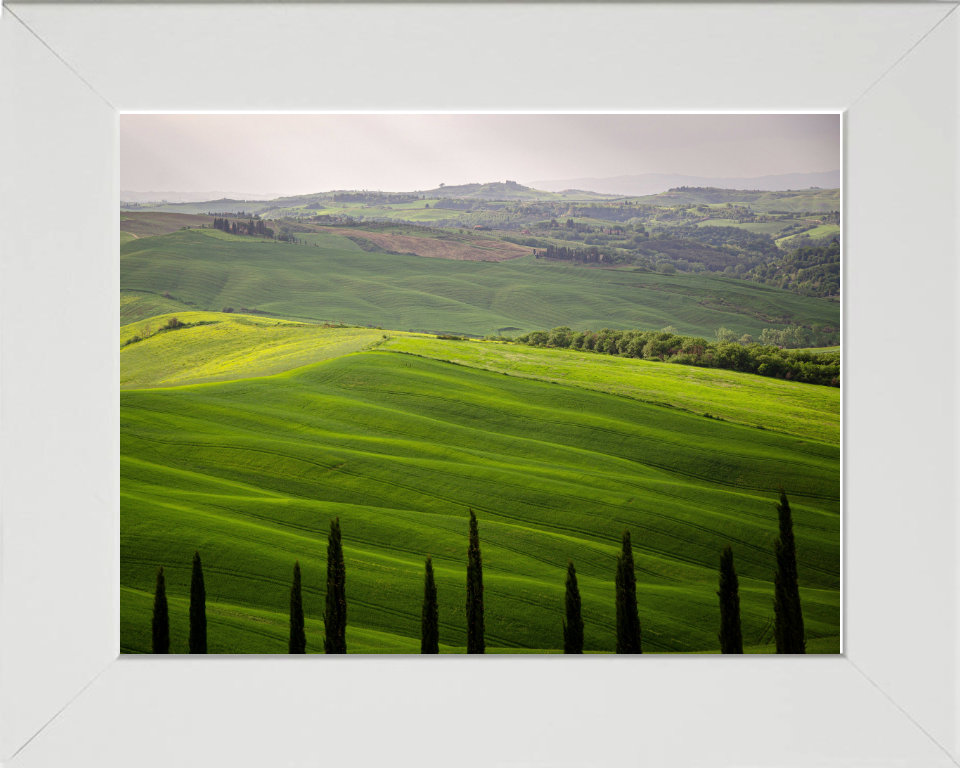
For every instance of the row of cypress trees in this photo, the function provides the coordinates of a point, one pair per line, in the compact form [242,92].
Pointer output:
[198,612]
[335,606]
[788,628]
[252,227]
[788,618]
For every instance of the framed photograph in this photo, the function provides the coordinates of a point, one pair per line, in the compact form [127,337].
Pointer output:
[132,378]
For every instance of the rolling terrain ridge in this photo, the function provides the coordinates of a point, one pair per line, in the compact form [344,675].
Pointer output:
[442,295]
[401,439]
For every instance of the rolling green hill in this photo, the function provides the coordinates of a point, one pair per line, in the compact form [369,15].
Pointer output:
[824,230]
[399,446]
[443,295]
[221,346]
[811,200]
[150,223]
[140,305]
[784,406]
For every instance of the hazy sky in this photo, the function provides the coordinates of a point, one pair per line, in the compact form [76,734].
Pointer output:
[294,154]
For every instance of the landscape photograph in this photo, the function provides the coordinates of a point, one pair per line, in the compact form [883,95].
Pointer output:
[480,383]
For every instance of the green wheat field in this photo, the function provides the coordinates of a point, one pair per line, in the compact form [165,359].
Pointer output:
[324,392]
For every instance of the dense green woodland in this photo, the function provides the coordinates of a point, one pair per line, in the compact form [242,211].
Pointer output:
[810,270]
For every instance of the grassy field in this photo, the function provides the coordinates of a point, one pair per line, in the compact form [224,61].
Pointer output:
[445,295]
[820,349]
[139,305]
[795,201]
[328,240]
[230,632]
[784,406]
[398,446]
[149,223]
[761,227]
[824,230]
[229,346]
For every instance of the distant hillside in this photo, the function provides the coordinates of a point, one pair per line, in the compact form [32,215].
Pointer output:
[147,223]
[130,196]
[509,190]
[497,190]
[809,200]
[653,183]
[445,295]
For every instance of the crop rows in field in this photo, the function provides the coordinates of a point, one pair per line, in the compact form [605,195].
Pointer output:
[444,295]
[399,446]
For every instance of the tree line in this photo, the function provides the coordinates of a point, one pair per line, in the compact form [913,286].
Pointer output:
[253,227]
[744,354]
[374,197]
[589,255]
[788,618]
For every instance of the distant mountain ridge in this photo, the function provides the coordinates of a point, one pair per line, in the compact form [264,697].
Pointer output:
[500,190]
[654,183]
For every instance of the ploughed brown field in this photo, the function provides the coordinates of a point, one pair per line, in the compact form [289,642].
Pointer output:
[477,250]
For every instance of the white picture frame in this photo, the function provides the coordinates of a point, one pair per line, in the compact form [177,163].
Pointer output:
[68,70]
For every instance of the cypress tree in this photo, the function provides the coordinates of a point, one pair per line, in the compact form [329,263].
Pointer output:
[161,618]
[335,615]
[731,638]
[429,627]
[475,643]
[298,636]
[573,622]
[628,620]
[198,608]
[788,624]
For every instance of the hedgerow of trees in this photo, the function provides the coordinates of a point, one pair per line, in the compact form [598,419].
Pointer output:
[744,354]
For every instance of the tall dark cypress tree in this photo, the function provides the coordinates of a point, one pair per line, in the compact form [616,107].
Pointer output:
[429,626]
[335,615]
[628,620]
[573,620]
[198,608]
[731,638]
[298,635]
[161,617]
[788,624]
[475,642]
